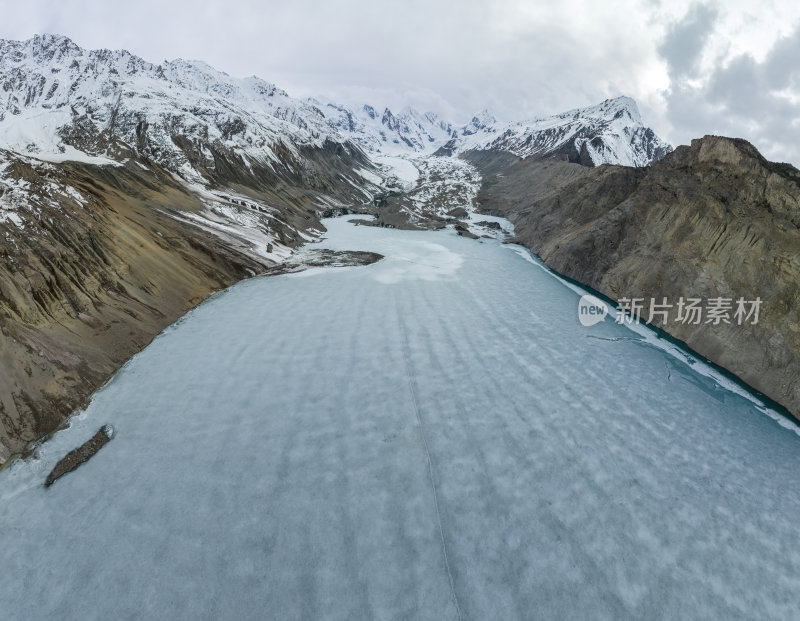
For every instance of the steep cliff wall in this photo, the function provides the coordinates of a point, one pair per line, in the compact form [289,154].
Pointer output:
[714,219]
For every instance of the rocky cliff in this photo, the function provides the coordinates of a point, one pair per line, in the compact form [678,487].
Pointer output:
[97,260]
[710,220]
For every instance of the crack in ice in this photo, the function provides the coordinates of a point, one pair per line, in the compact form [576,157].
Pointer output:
[412,384]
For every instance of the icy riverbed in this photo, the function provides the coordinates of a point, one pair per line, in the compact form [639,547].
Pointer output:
[434,436]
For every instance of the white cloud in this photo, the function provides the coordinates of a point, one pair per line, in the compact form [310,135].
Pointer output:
[726,80]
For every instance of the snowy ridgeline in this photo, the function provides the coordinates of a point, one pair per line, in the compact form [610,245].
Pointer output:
[434,436]
[58,98]
[611,132]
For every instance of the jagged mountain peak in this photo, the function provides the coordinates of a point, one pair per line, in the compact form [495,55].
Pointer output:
[197,75]
[388,119]
[57,54]
[609,132]
[623,104]
[60,101]
[481,121]
[404,131]
[48,45]
[622,107]
[484,117]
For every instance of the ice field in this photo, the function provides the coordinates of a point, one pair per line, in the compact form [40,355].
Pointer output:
[434,436]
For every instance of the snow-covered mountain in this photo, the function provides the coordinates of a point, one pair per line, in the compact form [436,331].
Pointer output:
[59,101]
[388,132]
[611,132]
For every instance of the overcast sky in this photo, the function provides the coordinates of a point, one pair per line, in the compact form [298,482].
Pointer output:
[730,68]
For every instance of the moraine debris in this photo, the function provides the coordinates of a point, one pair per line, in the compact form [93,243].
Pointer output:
[462,230]
[82,454]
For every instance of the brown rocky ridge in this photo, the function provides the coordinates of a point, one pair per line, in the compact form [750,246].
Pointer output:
[713,219]
[102,258]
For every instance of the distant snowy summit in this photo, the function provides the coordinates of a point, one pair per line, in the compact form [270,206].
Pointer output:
[611,132]
[60,102]
[388,132]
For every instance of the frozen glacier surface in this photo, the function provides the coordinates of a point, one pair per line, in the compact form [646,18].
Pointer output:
[434,436]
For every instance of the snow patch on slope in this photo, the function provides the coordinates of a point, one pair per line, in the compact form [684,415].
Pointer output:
[400,171]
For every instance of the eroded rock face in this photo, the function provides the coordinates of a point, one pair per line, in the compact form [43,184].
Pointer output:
[92,267]
[714,219]
[97,260]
